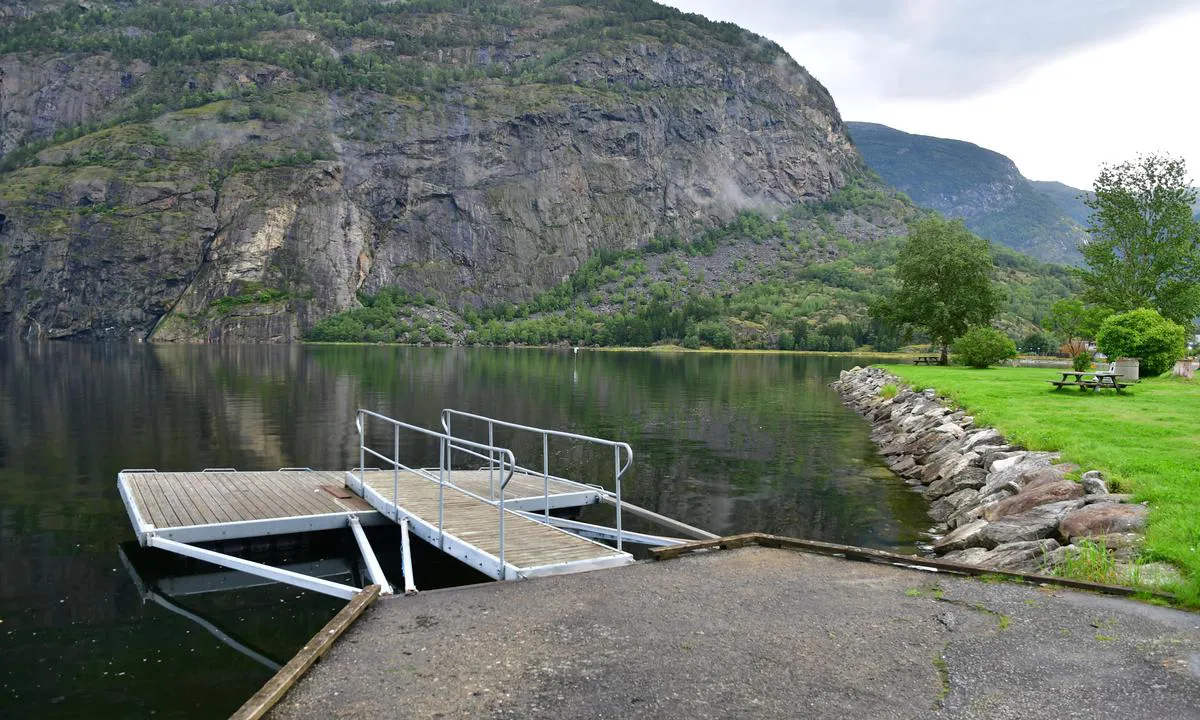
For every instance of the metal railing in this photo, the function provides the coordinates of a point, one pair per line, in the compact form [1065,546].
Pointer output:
[502,458]
[618,468]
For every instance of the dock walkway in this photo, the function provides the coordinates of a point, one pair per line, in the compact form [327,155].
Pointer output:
[470,527]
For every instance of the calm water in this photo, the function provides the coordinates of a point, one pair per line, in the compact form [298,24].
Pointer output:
[727,442]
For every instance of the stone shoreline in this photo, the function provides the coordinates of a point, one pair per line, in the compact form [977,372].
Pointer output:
[996,504]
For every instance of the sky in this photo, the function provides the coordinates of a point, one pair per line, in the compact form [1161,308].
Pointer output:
[1059,86]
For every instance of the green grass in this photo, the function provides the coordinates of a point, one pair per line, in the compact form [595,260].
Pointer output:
[1145,441]
[1095,562]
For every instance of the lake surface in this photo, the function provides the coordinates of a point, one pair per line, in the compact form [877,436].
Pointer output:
[91,625]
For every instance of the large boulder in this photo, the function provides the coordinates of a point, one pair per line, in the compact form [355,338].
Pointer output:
[978,439]
[1022,556]
[1040,522]
[949,505]
[1103,519]
[968,556]
[901,464]
[1093,483]
[961,538]
[965,477]
[1027,468]
[1032,496]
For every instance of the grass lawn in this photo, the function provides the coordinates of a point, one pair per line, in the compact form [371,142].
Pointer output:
[1146,441]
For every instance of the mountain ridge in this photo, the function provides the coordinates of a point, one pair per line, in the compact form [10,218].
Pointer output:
[983,187]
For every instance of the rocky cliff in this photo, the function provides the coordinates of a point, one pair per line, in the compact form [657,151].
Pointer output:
[983,187]
[216,171]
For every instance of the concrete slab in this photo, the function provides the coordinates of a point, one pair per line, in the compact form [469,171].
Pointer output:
[760,633]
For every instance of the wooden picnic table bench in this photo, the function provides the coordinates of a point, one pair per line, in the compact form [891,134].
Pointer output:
[927,360]
[1090,379]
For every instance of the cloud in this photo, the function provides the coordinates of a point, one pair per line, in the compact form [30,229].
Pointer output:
[936,49]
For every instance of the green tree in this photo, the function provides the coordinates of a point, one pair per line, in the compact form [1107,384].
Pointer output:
[1144,249]
[944,282]
[1146,335]
[1038,343]
[1071,319]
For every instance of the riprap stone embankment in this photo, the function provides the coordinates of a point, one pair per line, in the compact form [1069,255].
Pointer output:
[995,504]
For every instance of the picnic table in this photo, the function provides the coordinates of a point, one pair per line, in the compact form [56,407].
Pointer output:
[1090,379]
[927,360]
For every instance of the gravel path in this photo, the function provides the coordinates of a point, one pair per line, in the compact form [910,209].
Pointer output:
[758,633]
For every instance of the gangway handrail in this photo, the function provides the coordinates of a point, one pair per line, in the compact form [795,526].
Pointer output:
[546,433]
[446,443]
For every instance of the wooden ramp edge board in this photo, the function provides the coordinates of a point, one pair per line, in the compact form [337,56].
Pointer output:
[852,552]
[273,691]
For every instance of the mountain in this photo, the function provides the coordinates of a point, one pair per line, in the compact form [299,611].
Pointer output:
[982,187]
[611,171]
[1068,199]
[204,170]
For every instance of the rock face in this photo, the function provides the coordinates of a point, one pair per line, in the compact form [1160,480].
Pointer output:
[278,194]
[998,506]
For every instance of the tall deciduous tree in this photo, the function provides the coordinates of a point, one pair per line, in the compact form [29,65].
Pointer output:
[1144,249]
[1072,319]
[944,282]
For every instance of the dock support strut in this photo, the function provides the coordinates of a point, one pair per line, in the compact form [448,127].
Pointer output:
[307,582]
[364,547]
[410,588]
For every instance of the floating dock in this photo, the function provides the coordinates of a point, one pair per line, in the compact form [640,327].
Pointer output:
[488,512]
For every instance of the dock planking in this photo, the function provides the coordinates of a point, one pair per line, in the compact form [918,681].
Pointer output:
[177,500]
[530,547]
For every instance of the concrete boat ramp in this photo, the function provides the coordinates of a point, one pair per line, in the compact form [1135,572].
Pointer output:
[757,632]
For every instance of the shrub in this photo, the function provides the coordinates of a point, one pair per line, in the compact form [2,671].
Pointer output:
[984,346]
[1082,361]
[1146,335]
[889,391]
[714,334]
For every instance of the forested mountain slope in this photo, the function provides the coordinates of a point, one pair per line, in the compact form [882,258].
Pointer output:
[241,170]
[982,187]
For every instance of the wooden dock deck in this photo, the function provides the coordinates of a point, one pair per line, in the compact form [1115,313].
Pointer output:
[470,527]
[224,505]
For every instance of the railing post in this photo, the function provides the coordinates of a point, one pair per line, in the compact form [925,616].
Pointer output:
[362,450]
[617,474]
[503,570]
[441,491]
[492,457]
[395,465]
[546,472]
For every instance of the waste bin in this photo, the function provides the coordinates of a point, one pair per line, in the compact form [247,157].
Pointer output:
[1127,368]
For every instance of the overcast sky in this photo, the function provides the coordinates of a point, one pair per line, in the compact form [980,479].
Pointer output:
[1059,86]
